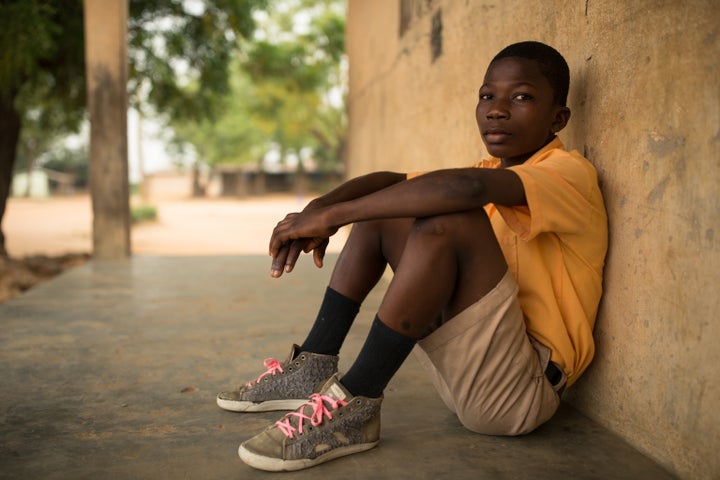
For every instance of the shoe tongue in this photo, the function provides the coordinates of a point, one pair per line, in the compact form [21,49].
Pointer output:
[335,390]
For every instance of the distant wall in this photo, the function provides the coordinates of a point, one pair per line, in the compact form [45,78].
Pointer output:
[167,185]
[645,96]
[35,184]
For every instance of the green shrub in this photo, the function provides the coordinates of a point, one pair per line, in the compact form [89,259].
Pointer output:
[143,213]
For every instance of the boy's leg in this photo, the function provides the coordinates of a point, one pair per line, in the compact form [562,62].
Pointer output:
[486,367]
[442,265]
[447,251]
[287,385]
[433,276]
[370,247]
[448,263]
[358,269]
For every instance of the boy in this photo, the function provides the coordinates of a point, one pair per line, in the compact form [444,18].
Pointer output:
[497,279]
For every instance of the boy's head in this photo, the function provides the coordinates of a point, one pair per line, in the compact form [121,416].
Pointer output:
[552,65]
[521,103]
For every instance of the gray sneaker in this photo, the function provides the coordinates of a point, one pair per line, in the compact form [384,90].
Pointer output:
[330,425]
[284,386]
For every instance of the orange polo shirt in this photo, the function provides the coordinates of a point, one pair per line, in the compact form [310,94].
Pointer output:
[555,247]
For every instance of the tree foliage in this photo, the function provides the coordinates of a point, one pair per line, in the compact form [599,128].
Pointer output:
[287,91]
[231,137]
[298,69]
[229,93]
[42,70]
[181,51]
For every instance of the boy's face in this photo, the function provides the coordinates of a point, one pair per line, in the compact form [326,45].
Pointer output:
[516,112]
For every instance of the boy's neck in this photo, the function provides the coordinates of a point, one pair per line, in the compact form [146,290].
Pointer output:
[507,163]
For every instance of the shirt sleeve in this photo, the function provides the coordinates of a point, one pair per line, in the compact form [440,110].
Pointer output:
[558,190]
[486,163]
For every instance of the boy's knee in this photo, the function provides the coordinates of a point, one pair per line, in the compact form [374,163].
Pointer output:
[436,226]
[452,224]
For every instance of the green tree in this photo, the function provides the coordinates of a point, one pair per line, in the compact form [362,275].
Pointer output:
[282,90]
[42,62]
[232,136]
[298,66]
[39,65]
[43,124]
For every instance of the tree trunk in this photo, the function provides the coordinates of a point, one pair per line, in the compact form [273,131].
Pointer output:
[9,136]
[30,160]
[198,186]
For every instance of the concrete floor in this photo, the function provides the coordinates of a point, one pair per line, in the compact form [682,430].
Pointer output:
[111,371]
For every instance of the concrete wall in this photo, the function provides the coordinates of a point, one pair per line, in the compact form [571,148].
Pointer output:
[645,95]
[106,63]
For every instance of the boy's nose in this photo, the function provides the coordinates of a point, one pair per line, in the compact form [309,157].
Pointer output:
[497,110]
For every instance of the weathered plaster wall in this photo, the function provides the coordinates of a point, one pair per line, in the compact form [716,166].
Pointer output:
[107,73]
[645,95]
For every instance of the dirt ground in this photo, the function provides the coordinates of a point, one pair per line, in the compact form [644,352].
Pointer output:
[47,236]
[62,225]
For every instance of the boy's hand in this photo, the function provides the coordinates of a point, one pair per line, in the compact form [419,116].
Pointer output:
[298,232]
[287,256]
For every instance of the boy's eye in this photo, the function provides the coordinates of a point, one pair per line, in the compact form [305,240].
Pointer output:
[522,97]
[486,96]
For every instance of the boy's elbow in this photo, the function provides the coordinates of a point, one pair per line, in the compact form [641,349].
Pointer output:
[468,186]
[391,178]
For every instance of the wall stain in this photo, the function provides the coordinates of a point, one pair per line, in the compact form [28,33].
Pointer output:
[436,35]
[680,166]
[661,146]
[411,11]
[710,236]
[658,192]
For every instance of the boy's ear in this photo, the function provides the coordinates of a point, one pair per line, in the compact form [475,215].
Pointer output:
[562,117]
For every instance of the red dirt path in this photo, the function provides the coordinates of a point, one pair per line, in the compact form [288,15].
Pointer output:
[60,225]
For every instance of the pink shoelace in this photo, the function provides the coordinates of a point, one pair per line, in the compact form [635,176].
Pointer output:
[320,410]
[273,367]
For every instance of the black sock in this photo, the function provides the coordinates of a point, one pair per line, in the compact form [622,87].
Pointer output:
[332,324]
[381,356]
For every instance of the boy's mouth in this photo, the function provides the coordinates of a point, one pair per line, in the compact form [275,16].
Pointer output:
[496,135]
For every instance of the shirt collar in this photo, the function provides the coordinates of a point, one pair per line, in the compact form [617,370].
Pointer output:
[553,144]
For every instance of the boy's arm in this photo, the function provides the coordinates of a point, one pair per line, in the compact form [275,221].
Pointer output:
[357,187]
[289,252]
[435,193]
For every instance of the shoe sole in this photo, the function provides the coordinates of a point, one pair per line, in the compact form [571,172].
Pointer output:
[270,464]
[267,406]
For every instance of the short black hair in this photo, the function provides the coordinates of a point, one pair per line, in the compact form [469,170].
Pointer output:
[551,63]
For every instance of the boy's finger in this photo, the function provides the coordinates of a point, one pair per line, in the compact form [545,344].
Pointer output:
[278,263]
[293,253]
[279,236]
[319,253]
[312,244]
[277,241]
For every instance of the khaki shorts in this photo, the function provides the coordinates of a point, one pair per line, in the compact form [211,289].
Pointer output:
[487,369]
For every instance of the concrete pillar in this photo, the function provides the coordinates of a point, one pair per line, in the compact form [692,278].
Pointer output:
[106,64]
